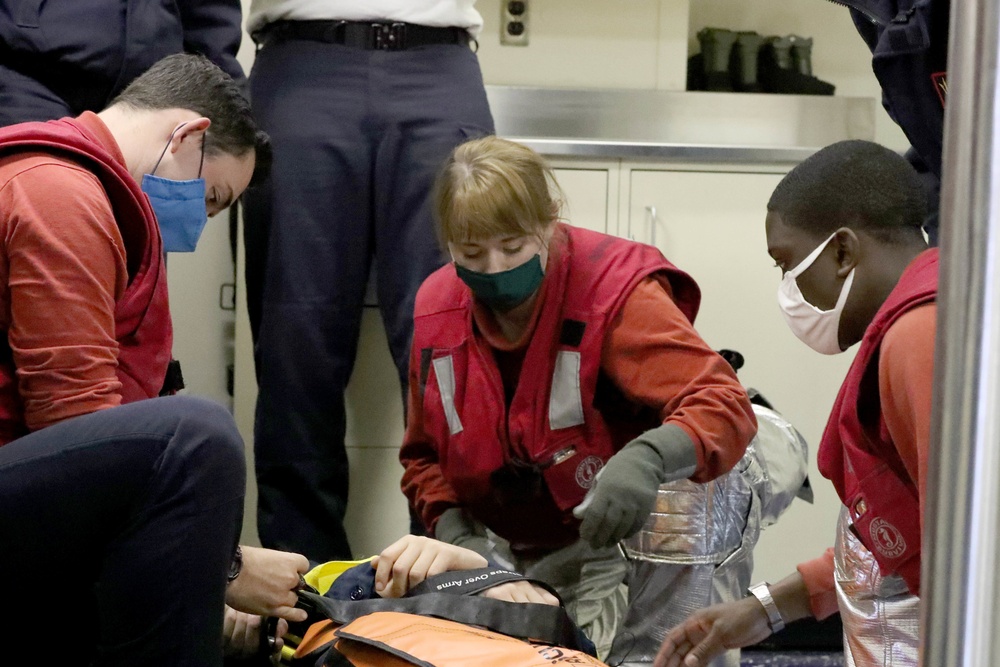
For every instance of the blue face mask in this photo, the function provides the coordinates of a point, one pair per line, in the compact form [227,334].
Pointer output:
[505,290]
[179,206]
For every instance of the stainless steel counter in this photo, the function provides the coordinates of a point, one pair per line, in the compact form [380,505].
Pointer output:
[678,126]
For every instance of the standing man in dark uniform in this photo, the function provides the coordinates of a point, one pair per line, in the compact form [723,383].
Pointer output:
[363,102]
[909,44]
[61,57]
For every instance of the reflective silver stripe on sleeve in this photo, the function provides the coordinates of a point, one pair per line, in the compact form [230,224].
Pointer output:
[565,403]
[444,370]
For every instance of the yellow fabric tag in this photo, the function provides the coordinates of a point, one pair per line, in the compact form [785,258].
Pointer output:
[322,576]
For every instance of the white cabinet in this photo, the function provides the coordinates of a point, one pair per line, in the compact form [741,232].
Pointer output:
[590,193]
[711,224]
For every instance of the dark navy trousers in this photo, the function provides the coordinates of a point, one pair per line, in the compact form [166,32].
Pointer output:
[358,139]
[24,99]
[116,533]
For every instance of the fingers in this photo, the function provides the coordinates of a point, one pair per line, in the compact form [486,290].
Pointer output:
[706,649]
[592,519]
[678,643]
[521,591]
[504,592]
[241,633]
[395,559]
[421,566]
[542,596]
[399,571]
[412,559]
[268,581]
[290,613]
[383,570]
[697,640]
[391,552]
[603,522]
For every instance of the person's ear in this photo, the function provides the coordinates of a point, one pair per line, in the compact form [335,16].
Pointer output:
[848,249]
[190,132]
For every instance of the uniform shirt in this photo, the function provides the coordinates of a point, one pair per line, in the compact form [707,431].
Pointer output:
[905,378]
[62,268]
[436,13]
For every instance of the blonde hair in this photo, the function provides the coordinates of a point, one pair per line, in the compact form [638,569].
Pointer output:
[492,187]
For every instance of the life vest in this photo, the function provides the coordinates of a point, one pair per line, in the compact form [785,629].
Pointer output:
[560,427]
[142,314]
[857,453]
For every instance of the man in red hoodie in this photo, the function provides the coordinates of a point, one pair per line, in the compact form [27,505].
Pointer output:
[844,228]
[120,511]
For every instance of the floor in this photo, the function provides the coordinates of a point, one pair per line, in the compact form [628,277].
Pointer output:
[791,659]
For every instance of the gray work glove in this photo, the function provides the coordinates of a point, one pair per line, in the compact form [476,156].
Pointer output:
[454,526]
[624,491]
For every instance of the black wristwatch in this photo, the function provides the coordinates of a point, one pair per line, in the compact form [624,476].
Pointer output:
[236,565]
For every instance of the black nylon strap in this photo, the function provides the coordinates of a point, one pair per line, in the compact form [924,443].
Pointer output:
[540,622]
[470,582]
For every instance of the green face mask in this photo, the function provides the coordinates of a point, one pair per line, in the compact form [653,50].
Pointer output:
[507,289]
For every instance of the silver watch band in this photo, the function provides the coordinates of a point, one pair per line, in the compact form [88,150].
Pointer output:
[762,592]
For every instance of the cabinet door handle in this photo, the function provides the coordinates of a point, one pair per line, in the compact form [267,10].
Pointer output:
[652,224]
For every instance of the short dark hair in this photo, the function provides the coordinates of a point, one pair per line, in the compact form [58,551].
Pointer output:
[857,184]
[193,82]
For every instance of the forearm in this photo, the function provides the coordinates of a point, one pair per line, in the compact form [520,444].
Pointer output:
[656,359]
[424,483]
[792,598]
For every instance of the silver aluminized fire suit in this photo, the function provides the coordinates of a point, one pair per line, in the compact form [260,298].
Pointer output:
[696,548]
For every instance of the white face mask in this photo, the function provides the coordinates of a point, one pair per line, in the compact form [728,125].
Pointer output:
[816,328]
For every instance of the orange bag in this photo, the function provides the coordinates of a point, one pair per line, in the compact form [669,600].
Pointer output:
[529,630]
[395,639]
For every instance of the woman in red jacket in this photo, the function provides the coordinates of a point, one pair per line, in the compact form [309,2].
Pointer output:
[844,228]
[555,382]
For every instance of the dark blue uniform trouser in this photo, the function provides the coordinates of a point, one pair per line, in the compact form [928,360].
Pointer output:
[358,139]
[24,99]
[116,533]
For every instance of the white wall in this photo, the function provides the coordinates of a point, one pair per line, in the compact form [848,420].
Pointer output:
[644,43]
[573,43]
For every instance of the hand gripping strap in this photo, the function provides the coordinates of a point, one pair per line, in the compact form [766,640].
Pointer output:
[472,582]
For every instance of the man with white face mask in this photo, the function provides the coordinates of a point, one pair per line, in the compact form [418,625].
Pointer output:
[844,228]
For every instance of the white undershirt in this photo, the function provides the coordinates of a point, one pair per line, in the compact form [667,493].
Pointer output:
[454,13]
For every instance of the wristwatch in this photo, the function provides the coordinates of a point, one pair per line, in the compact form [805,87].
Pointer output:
[762,592]
[236,565]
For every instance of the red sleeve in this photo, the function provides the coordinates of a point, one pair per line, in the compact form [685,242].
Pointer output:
[66,268]
[423,483]
[818,576]
[656,358]
[906,381]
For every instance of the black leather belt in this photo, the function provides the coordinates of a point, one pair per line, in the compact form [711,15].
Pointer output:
[381,36]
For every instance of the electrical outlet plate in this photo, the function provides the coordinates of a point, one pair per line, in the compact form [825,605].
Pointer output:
[514,22]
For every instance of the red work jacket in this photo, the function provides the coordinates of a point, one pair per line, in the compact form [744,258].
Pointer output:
[857,453]
[554,436]
[142,314]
